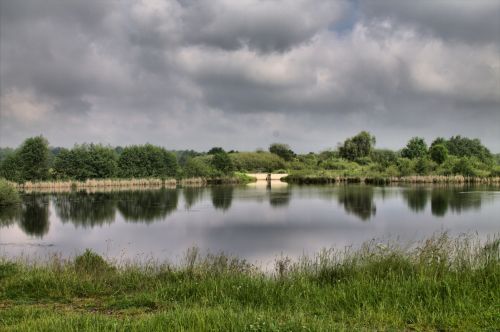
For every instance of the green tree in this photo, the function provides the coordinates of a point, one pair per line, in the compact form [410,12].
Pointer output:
[86,162]
[465,147]
[140,161]
[197,167]
[216,150]
[416,148]
[282,150]
[438,153]
[358,146]
[222,163]
[34,159]
[10,168]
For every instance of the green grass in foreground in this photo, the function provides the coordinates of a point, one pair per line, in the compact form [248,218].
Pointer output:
[443,284]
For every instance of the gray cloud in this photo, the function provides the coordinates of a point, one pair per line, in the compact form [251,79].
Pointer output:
[192,74]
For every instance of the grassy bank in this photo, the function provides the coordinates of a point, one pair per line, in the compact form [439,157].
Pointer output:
[441,284]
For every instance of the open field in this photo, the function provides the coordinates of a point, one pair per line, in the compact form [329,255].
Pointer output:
[445,284]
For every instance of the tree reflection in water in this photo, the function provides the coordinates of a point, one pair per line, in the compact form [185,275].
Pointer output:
[222,197]
[34,215]
[357,200]
[192,195]
[147,205]
[416,198]
[85,209]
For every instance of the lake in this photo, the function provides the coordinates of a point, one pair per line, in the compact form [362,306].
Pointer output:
[256,221]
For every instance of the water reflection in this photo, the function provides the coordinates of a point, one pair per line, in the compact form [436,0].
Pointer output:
[192,195]
[34,215]
[84,209]
[279,196]
[358,200]
[87,210]
[454,199]
[417,198]
[147,205]
[222,197]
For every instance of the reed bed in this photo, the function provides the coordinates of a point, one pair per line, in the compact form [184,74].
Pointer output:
[440,284]
[96,183]
[455,179]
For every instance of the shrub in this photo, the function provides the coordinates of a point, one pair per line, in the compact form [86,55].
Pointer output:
[198,167]
[257,161]
[222,163]
[358,146]
[86,162]
[8,194]
[10,168]
[438,153]
[416,148]
[405,166]
[464,166]
[282,150]
[143,161]
[90,262]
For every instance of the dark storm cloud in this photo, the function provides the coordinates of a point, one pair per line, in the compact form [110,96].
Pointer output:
[192,74]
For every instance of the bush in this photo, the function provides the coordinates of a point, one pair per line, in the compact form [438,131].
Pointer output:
[86,162]
[198,167]
[10,168]
[358,146]
[143,161]
[222,162]
[256,161]
[405,166]
[282,150]
[90,262]
[416,148]
[438,153]
[8,194]
[464,166]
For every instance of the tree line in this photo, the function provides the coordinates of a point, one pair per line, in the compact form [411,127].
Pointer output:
[34,160]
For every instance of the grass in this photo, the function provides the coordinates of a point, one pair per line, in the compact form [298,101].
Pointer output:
[8,194]
[445,284]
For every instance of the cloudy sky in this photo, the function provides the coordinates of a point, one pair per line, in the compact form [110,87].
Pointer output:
[243,74]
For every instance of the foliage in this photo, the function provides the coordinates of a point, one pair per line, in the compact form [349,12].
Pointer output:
[10,168]
[466,147]
[439,284]
[416,148]
[464,166]
[358,146]
[216,150]
[8,194]
[86,162]
[423,166]
[34,159]
[142,161]
[405,166]
[256,161]
[438,153]
[222,163]
[198,167]
[384,157]
[282,150]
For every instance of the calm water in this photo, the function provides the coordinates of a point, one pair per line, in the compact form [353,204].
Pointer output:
[255,221]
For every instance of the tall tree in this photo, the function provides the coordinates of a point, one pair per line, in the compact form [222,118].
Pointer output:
[358,146]
[416,148]
[34,159]
[282,150]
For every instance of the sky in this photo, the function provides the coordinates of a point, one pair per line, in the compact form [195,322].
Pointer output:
[192,74]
